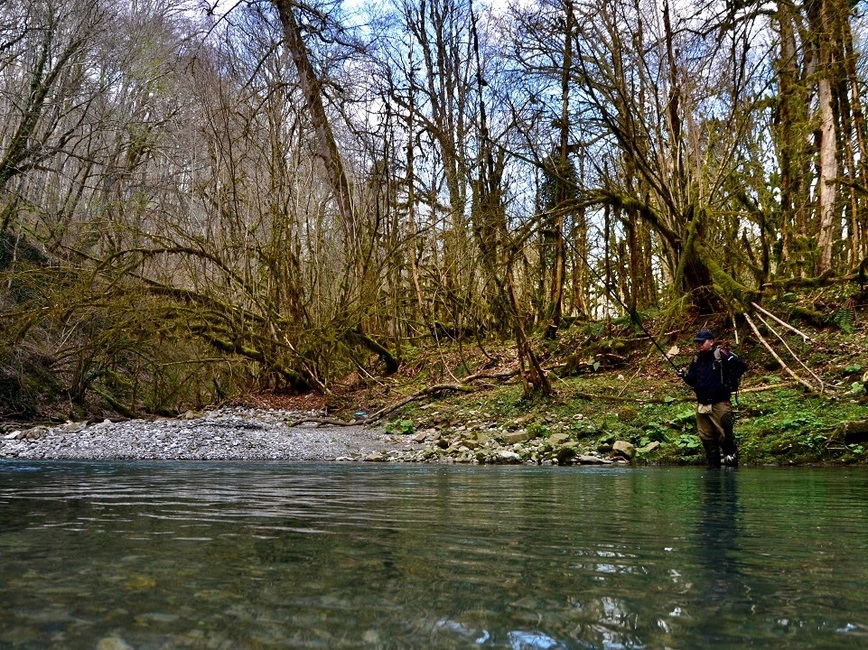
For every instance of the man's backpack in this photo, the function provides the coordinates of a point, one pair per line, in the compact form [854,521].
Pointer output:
[731,370]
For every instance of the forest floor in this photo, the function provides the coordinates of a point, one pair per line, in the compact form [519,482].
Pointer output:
[610,382]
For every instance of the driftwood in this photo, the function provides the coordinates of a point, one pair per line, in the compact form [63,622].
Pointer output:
[615,398]
[323,421]
[762,389]
[430,390]
[794,355]
[804,336]
[775,354]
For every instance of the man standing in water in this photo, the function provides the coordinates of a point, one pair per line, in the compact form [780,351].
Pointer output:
[713,374]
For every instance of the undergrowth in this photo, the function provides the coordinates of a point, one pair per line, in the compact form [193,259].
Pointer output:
[611,383]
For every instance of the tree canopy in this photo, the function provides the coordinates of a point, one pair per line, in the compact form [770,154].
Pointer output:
[195,198]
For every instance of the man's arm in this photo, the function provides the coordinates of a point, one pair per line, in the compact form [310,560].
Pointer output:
[690,376]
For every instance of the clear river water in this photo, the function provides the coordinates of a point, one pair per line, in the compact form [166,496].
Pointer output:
[115,556]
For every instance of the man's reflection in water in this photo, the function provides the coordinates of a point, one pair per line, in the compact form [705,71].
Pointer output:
[725,595]
[718,534]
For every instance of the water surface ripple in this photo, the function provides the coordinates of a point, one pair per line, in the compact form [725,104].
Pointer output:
[269,555]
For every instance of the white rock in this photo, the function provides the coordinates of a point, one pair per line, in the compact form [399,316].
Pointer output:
[113,643]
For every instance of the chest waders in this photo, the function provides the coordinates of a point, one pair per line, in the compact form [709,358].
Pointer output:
[724,422]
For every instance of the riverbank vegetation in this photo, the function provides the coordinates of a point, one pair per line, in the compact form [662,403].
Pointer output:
[633,395]
[422,198]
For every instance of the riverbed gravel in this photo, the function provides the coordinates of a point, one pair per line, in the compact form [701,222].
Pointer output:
[225,434]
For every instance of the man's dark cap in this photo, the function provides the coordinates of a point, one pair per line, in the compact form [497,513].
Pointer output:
[704,335]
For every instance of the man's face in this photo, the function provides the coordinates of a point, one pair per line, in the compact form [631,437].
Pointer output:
[706,345]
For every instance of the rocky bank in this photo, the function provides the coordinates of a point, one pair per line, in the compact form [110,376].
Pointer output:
[269,435]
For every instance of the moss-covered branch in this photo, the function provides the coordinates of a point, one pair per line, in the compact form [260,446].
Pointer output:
[358,337]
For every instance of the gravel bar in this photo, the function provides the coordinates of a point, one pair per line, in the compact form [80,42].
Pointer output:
[225,434]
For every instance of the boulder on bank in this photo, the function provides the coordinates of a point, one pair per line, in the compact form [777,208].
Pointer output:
[624,448]
[514,437]
[855,432]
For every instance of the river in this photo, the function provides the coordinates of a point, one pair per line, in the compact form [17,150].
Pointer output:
[117,555]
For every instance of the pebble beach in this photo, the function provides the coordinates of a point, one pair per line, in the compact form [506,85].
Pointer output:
[240,434]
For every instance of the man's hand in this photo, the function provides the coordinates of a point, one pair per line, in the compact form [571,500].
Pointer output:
[681,373]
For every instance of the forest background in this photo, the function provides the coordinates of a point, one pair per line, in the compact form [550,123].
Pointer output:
[204,202]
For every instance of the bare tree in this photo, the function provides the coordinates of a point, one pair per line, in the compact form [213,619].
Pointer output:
[44,69]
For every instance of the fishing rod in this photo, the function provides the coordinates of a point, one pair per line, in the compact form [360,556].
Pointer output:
[633,315]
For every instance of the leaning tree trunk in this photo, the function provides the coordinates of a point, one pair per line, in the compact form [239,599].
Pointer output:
[327,146]
[334,165]
[827,180]
[558,277]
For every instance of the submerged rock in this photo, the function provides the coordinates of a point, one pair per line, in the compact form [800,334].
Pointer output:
[113,643]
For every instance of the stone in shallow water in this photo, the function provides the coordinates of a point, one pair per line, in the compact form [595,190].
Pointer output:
[587,459]
[156,617]
[18,635]
[113,643]
[371,637]
[522,640]
[139,581]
